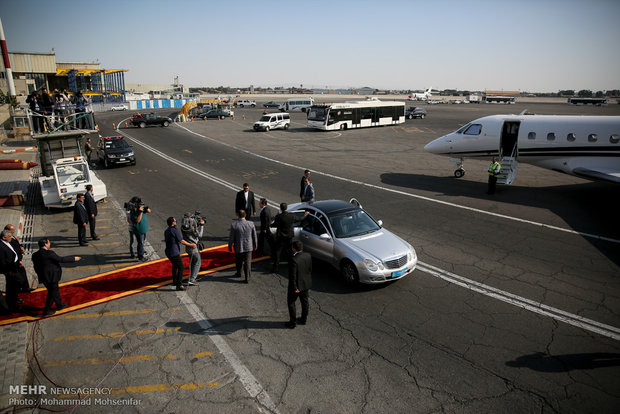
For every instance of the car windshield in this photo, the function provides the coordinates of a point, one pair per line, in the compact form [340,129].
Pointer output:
[116,143]
[352,223]
[71,174]
[265,118]
[318,113]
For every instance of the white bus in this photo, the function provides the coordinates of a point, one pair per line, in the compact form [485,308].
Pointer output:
[358,114]
[298,104]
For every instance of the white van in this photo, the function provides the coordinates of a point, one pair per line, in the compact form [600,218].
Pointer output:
[273,121]
[299,104]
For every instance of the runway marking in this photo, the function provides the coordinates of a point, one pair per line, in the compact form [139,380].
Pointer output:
[250,383]
[429,269]
[533,306]
[122,360]
[115,334]
[404,193]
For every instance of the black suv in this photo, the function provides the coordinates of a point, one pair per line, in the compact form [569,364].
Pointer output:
[142,120]
[115,150]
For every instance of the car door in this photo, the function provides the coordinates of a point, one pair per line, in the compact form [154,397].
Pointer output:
[317,239]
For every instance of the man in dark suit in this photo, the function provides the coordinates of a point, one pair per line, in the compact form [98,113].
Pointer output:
[299,284]
[91,210]
[302,184]
[265,223]
[80,217]
[245,201]
[8,266]
[22,277]
[284,235]
[47,267]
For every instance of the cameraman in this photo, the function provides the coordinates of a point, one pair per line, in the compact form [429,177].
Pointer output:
[140,225]
[192,227]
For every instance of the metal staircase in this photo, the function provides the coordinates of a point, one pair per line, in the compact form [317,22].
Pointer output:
[509,168]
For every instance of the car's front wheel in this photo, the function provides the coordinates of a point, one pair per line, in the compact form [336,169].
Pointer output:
[266,129]
[349,272]
[142,124]
[166,123]
[422,116]
[410,116]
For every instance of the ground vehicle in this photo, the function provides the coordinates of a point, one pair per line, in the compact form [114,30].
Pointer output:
[65,171]
[142,120]
[273,121]
[115,150]
[298,104]
[474,98]
[348,238]
[355,114]
[119,107]
[272,104]
[242,103]
[415,112]
[217,113]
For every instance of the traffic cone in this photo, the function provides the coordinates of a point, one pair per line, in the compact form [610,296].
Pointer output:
[126,124]
[232,117]
[113,125]
[218,118]
[205,118]
[244,117]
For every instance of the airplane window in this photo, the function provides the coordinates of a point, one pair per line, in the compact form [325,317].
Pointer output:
[592,137]
[531,135]
[461,129]
[571,137]
[550,136]
[614,139]
[474,129]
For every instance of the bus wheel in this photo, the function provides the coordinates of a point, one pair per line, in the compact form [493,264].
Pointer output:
[343,127]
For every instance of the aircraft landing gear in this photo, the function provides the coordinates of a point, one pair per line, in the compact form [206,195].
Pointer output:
[460,171]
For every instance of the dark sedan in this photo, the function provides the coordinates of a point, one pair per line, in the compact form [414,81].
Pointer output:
[216,113]
[272,104]
[415,112]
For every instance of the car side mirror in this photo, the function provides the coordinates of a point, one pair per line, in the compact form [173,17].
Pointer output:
[380,223]
[325,237]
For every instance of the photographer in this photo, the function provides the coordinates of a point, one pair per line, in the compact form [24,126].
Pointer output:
[140,225]
[192,227]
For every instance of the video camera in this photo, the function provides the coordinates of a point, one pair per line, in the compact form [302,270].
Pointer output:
[134,205]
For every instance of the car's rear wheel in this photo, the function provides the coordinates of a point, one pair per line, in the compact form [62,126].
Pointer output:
[142,124]
[349,272]
[285,127]
[166,123]
[422,116]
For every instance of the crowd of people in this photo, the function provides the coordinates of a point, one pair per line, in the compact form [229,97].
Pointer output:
[243,241]
[60,110]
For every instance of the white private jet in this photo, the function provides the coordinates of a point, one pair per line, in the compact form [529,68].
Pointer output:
[585,146]
[423,96]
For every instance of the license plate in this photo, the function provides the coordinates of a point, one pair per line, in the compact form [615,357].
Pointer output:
[399,273]
[122,159]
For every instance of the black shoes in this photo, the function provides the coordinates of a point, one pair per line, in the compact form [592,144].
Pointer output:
[290,325]
[301,321]
[61,307]
[83,244]
[48,312]
[181,288]
[96,238]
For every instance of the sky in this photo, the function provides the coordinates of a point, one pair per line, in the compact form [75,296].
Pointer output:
[526,45]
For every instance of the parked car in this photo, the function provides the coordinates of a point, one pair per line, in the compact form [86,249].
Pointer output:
[119,107]
[273,121]
[272,104]
[217,113]
[348,238]
[142,120]
[415,112]
[115,150]
[244,102]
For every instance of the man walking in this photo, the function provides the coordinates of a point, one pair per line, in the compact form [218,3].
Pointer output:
[494,169]
[8,266]
[191,229]
[242,237]
[80,217]
[299,284]
[302,184]
[245,201]
[47,267]
[265,223]
[174,239]
[284,234]
[91,210]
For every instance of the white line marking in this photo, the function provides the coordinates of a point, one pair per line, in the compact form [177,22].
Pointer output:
[250,383]
[348,180]
[575,320]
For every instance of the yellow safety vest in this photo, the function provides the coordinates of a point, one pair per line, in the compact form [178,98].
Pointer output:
[494,169]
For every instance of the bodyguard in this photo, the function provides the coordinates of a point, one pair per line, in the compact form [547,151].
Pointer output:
[243,237]
[299,284]
[80,217]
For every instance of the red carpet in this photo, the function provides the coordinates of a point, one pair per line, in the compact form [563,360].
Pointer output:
[119,283]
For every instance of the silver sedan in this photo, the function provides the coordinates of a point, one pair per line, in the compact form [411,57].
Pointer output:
[349,239]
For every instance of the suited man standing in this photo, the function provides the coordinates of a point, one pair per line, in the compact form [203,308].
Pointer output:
[242,237]
[22,277]
[47,267]
[265,223]
[284,234]
[299,284]
[245,201]
[8,266]
[91,210]
[302,184]
[80,218]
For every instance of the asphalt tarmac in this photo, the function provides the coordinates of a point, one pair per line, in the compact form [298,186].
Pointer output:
[513,308]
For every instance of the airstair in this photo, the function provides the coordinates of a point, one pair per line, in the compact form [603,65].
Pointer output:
[509,168]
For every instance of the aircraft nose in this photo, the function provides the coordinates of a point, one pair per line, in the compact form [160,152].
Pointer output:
[437,146]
